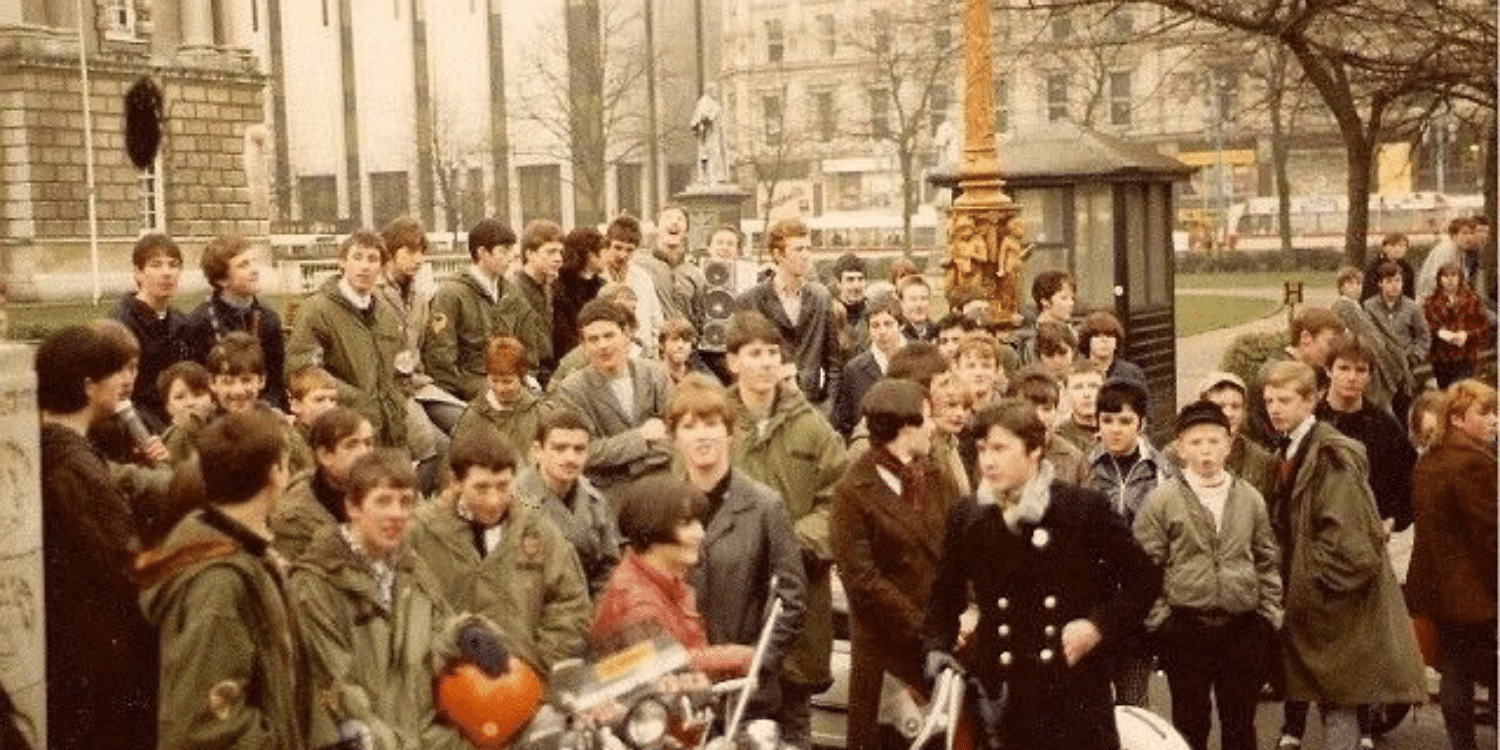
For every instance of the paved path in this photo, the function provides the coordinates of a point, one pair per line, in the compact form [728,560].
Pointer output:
[1201,354]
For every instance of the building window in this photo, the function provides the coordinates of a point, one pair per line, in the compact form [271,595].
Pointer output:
[937,105]
[1123,21]
[880,113]
[390,196]
[823,110]
[770,109]
[1057,97]
[775,40]
[882,32]
[942,37]
[473,198]
[628,187]
[1120,101]
[541,191]
[119,18]
[149,198]
[828,35]
[1062,26]
[319,197]
[1002,103]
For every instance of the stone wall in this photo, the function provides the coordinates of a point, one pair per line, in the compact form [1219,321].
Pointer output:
[22,644]
[212,101]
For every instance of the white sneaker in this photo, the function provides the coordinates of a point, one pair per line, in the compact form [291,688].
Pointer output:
[1288,742]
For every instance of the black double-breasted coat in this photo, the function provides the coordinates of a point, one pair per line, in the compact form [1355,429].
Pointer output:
[1078,561]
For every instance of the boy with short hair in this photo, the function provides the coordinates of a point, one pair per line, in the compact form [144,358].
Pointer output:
[311,391]
[501,559]
[782,440]
[1389,371]
[373,617]
[1402,326]
[231,264]
[1069,464]
[237,372]
[679,352]
[507,406]
[553,484]
[1247,459]
[526,308]
[1393,249]
[1346,640]
[345,328]
[980,362]
[158,326]
[883,328]
[314,498]
[1127,468]
[1081,394]
[951,329]
[1053,292]
[622,399]
[916,314]
[184,389]
[1220,602]
[1056,348]
[216,594]
[465,313]
[621,239]
[802,310]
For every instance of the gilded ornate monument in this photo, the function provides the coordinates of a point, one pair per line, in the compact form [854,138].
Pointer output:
[986,256]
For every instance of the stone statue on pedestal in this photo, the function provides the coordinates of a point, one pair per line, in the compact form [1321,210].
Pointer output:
[708,126]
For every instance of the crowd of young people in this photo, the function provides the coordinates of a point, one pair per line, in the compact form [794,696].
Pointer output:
[286,554]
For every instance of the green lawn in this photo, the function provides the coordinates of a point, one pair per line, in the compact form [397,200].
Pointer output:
[1200,313]
[1255,279]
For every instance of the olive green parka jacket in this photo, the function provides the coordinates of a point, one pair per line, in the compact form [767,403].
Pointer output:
[233,672]
[358,348]
[531,585]
[371,664]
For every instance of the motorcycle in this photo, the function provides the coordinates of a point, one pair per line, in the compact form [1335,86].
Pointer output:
[645,696]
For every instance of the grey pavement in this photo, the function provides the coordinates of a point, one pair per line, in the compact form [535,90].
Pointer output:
[1201,354]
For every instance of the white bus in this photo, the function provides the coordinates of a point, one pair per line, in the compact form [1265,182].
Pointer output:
[871,235]
[1318,222]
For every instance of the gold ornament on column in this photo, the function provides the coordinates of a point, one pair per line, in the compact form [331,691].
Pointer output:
[985,252]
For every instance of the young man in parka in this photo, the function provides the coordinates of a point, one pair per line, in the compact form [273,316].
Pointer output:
[465,313]
[231,663]
[345,328]
[1347,640]
[231,265]
[526,309]
[373,619]
[783,441]
[500,559]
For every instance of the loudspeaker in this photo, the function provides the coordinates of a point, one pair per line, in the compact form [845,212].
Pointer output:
[718,303]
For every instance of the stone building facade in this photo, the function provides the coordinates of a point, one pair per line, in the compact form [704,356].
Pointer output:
[209,175]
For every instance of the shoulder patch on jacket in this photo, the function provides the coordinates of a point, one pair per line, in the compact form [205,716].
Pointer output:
[438,322]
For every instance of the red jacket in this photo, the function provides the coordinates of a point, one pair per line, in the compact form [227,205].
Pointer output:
[638,594]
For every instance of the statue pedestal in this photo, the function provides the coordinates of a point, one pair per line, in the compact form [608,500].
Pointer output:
[22,631]
[710,205]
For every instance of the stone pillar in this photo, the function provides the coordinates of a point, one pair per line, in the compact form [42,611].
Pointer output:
[236,24]
[22,631]
[197,19]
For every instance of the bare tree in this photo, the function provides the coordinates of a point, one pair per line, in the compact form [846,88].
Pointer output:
[770,149]
[1372,62]
[911,50]
[458,147]
[587,94]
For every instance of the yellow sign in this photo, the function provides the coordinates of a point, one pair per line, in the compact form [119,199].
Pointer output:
[1232,157]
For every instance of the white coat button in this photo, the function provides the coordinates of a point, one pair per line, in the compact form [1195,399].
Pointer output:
[1005,659]
[1046,656]
[1004,631]
[1050,602]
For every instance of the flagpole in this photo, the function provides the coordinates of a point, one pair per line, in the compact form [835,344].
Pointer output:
[88,150]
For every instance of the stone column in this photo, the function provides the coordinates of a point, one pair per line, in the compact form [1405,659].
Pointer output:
[22,631]
[197,23]
[236,24]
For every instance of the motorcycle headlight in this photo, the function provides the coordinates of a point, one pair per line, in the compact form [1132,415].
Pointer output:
[646,722]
